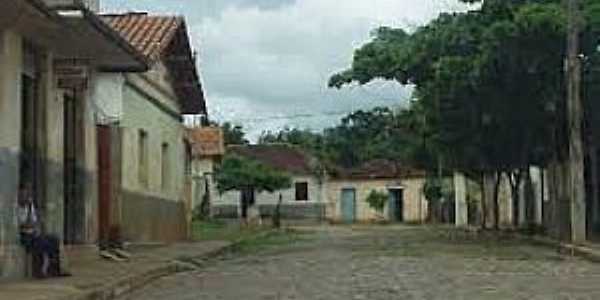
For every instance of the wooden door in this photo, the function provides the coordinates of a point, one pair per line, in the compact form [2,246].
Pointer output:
[104,181]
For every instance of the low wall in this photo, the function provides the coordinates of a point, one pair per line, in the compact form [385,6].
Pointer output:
[305,211]
[225,211]
[152,219]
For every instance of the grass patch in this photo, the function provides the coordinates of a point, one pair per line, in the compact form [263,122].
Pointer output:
[269,240]
[223,231]
[247,239]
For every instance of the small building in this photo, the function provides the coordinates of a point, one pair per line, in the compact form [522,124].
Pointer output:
[207,147]
[305,200]
[348,189]
[144,154]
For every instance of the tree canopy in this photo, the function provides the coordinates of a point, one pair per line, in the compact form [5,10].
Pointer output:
[488,82]
[240,173]
[380,133]
[234,134]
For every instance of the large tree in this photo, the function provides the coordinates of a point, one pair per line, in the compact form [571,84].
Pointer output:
[490,81]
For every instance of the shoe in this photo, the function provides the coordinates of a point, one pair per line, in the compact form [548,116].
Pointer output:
[120,253]
[64,274]
[108,255]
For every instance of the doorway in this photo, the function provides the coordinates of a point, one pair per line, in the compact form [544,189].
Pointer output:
[31,167]
[74,176]
[348,205]
[396,205]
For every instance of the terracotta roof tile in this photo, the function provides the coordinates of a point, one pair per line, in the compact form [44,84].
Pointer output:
[164,38]
[150,35]
[279,156]
[378,169]
[207,141]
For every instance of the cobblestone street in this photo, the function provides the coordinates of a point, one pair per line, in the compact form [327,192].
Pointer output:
[386,263]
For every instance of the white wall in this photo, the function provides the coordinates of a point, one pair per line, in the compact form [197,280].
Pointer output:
[415,204]
[315,194]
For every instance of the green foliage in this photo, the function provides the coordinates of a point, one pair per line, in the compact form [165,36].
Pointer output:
[432,190]
[377,200]
[489,83]
[234,134]
[238,173]
[380,133]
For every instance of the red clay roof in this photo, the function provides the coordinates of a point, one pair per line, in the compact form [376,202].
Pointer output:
[164,38]
[207,141]
[378,169]
[279,156]
[150,35]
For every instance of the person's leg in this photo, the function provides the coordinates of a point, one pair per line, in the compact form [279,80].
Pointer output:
[54,255]
[41,258]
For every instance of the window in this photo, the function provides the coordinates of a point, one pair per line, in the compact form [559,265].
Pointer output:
[188,160]
[164,175]
[301,191]
[143,158]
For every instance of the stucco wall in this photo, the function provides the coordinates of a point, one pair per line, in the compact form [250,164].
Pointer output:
[148,107]
[50,138]
[202,172]
[415,204]
[226,201]
[11,255]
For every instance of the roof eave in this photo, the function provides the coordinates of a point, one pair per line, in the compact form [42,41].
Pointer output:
[135,61]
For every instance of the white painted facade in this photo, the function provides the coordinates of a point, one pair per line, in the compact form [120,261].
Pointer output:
[316,194]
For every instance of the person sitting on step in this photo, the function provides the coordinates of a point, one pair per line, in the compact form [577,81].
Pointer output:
[44,249]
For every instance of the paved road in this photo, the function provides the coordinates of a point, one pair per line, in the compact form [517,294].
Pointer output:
[386,263]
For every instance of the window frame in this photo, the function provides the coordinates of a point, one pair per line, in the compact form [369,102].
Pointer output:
[301,188]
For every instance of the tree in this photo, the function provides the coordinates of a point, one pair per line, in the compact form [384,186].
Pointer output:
[234,134]
[490,81]
[248,176]
[380,133]
[377,201]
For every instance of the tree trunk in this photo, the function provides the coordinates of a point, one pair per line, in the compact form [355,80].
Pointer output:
[593,153]
[205,204]
[277,213]
[488,199]
[496,200]
[489,187]
[530,200]
[515,179]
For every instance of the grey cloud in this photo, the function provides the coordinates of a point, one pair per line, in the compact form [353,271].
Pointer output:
[265,63]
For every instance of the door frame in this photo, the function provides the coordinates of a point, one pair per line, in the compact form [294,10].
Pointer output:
[342,204]
[396,204]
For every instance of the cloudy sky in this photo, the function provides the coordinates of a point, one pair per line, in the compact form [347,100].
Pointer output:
[265,63]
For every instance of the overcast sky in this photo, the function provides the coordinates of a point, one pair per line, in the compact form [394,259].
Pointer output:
[265,63]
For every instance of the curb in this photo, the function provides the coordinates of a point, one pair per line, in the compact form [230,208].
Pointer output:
[127,285]
[570,249]
[124,286]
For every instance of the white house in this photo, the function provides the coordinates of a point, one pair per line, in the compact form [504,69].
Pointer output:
[306,199]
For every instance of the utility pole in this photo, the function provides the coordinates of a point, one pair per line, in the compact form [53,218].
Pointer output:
[576,180]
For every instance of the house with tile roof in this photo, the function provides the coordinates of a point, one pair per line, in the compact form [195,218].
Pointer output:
[207,148]
[305,200]
[348,190]
[49,57]
[145,192]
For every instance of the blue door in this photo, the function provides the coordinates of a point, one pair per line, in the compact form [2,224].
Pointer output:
[348,205]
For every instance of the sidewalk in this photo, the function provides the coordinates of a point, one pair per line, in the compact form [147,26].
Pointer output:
[96,278]
[589,251]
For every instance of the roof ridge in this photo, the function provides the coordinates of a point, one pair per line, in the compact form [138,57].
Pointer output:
[141,14]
